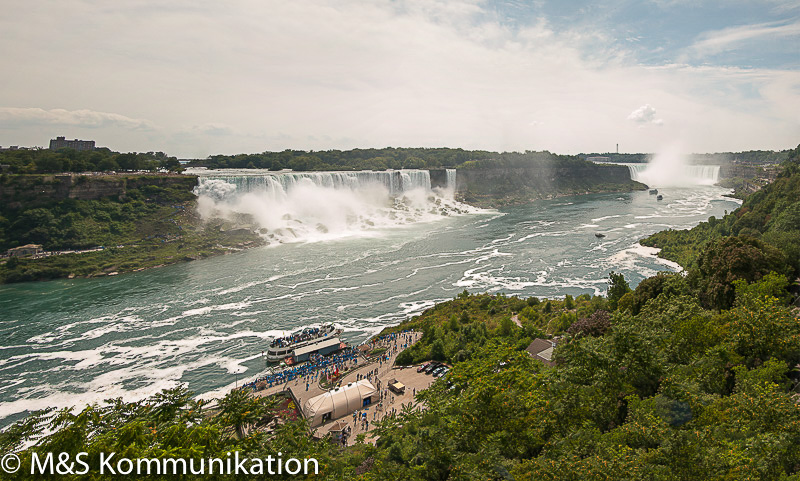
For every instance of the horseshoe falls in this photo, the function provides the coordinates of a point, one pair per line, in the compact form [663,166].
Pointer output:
[674,176]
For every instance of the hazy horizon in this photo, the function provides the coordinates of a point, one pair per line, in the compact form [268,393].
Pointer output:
[196,79]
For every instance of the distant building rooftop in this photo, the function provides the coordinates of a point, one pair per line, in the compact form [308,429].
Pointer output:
[542,350]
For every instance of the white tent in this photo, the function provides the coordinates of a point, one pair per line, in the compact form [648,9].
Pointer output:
[339,402]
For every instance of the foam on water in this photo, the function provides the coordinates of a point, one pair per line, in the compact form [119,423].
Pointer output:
[203,323]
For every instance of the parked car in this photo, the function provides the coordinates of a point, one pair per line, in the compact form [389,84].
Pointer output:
[431,367]
[438,371]
[442,372]
[422,367]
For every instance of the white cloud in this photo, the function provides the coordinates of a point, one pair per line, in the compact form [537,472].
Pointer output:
[725,39]
[11,117]
[644,115]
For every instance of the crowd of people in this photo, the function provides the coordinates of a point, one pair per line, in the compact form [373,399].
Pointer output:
[393,342]
[317,365]
[304,335]
[392,338]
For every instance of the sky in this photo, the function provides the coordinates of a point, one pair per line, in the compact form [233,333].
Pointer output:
[194,78]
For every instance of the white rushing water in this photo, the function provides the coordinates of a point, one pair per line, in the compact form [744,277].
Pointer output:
[73,342]
[450,186]
[314,206]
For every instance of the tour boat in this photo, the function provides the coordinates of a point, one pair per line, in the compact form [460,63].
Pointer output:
[282,347]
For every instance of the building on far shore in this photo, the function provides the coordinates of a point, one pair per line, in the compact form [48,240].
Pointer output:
[29,250]
[61,143]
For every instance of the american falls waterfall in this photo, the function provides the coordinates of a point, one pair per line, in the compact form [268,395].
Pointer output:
[314,206]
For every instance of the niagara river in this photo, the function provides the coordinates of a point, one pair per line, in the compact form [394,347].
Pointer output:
[347,255]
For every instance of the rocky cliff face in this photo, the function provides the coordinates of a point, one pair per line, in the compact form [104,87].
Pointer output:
[505,186]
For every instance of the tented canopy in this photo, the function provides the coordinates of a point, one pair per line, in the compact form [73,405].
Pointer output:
[338,402]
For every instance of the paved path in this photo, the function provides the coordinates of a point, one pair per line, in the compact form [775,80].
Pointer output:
[390,402]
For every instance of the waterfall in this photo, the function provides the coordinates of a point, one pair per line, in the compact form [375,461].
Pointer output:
[680,175]
[451,180]
[278,185]
[310,206]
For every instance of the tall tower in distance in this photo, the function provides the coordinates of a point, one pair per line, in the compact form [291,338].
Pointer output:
[617,148]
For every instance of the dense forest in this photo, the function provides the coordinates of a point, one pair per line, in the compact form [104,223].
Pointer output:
[683,377]
[29,161]
[42,161]
[388,158]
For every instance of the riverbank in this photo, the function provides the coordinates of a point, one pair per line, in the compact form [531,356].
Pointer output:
[121,259]
[93,226]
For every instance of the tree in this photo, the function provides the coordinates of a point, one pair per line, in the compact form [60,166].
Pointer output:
[729,259]
[437,350]
[107,164]
[595,325]
[761,328]
[506,326]
[241,410]
[617,287]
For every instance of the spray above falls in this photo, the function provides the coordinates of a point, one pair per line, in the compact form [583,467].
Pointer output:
[313,206]
[671,169]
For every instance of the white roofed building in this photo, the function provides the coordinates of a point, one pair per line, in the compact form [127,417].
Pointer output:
[340,402]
